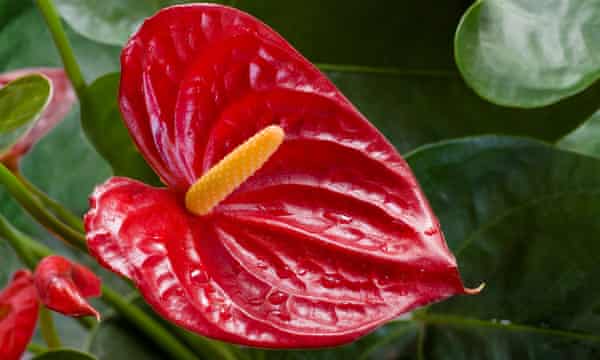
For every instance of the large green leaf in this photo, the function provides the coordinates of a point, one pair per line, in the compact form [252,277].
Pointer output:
[109,21]
[394,60]
[63,354]
[21,103]
[104,127]
[586,138]
[521,216]
[529,53]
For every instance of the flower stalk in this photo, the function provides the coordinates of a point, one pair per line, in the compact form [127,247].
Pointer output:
[48,329]
[38,211]
[65,50]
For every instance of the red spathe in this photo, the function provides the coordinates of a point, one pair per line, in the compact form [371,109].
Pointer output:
[18,315]
[330,239]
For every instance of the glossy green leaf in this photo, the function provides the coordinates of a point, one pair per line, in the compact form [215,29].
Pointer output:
[103,124]
[521,216]
[64,354]
[585,139]
[109,21]
[21,103]
[529,53]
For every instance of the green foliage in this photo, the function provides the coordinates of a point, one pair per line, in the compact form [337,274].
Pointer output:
[585,139]
[115,340]
[521,216]
[529,53]
[109,21]
[21,103]
[63,354]
[104,127]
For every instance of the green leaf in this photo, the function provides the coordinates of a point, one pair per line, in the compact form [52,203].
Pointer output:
[109,21]
[529,53]
[113,339]
[521,216]
[25,42]
[63,354]
[394,341]
[103,124]
[21,103]
[585,139]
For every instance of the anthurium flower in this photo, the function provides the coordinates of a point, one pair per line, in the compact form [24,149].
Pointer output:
[288,220]
[18,315]
[63,286]
[63,97]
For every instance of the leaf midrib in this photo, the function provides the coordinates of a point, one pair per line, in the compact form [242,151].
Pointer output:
[460,321]
[530,202]
[390,71]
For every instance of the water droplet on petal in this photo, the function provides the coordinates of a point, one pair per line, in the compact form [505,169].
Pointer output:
[337,217]
[431,231]
[330,281]
[277,297]
[225,312]
[282,315]
[199,276]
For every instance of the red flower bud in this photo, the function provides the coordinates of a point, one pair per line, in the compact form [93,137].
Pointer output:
[312,233]
[18,315]
[63,286]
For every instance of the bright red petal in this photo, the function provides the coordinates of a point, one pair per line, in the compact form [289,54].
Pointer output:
[63,286]
[255,284]
[18,315]
[60,104]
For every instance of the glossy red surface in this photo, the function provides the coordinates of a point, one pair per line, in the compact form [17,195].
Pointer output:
[330,239]
[18,315]
[63,286]
[63,97]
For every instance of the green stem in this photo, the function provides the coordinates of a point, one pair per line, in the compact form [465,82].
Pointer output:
[152,328]
[18,241]
[65,215]
[64,47]
[47,328]
[212,349]
[35,208]
[36,349]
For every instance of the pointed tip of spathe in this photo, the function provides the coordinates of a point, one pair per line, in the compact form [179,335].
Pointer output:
[97,315]
[476,290]
[91,311]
